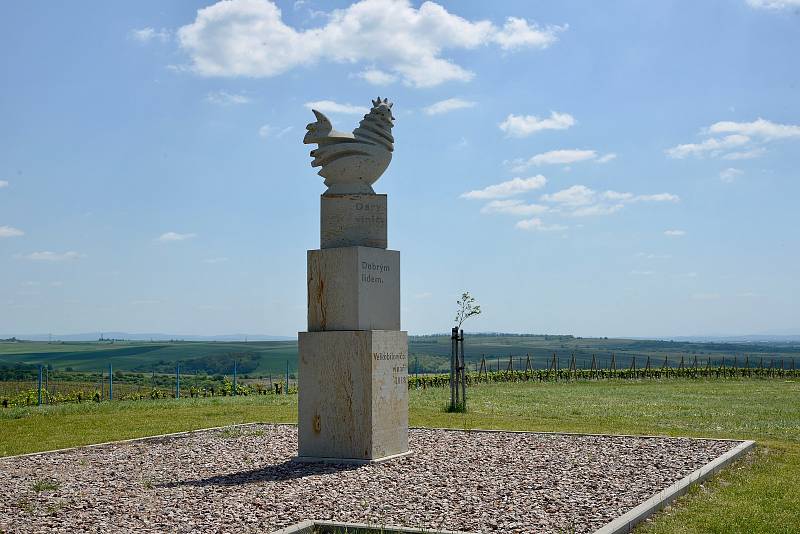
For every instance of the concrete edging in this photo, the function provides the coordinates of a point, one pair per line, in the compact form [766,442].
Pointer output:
[627,521]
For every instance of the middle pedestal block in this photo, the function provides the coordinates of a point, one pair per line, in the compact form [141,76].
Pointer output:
[353,288]
[354,395]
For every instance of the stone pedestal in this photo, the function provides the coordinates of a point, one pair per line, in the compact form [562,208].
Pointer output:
[354,404]
[353,220]
[353,288]
[353,372]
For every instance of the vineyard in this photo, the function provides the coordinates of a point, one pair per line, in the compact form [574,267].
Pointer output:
[76,387]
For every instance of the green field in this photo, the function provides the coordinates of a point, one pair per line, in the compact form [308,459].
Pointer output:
[426,353]
[759,494]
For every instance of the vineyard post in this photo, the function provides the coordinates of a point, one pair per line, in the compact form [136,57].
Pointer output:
[40,385]
[47,385]
[110,382]
[234,378]
[287,378]
[177,381]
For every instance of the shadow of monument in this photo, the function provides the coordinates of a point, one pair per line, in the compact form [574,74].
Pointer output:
[287,470]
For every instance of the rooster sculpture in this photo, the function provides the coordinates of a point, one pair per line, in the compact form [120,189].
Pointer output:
[352,162]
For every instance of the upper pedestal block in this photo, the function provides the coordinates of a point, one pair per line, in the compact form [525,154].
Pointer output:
[352,221]
[353,288]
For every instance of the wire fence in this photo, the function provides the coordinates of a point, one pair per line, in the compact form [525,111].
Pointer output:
[524,369]
[43,385]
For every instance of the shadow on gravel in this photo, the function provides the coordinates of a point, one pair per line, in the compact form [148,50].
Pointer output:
[287,470]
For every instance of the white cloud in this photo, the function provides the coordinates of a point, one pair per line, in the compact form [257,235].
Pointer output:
[758,128]
[519,33]
[512,187]
[745,154]
[377,77]
[729,175]
[525,125]
[10,231]
[558,157]
[642,273]
[249,38]
[536,225]
[713,146]
[581,201]
[577,195]
[3,183]
[513,207]
[674,233]
[224,98]
[329,106]
[741,135]
[174,236]
[596,209]
[270,131]
[145,35]
[215,260]
[445,106]
[46,255]
[774,5]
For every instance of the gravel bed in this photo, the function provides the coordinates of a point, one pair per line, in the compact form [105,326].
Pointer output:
[241,479]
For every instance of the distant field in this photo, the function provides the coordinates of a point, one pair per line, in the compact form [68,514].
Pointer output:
[426,353]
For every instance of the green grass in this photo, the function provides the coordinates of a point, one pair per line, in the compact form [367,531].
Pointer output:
[759,494]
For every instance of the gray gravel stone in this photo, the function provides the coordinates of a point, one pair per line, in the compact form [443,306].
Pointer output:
[242,479]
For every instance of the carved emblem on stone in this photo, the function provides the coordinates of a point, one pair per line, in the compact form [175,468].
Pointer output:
[352,162]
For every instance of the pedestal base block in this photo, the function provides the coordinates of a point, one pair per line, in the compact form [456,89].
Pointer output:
[353,403]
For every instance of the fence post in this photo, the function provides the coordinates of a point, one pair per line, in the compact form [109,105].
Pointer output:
[177,381]
[234,378]
[110,382]
[40,385]
[287,378]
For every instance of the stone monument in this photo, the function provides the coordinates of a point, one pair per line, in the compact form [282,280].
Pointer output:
[353,371]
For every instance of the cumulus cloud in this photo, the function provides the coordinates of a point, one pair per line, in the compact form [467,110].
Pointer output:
[145,35]
[558,157]
[774,5]
[674,233]
[47,255]
[525,125]
[249,38]
[3,183]
[512,187]
[536,225]
[745,137]
[224,98]
[581,201]
[450,104]
[265,130]
[174,236]
[377,77]
[758,128]
[513,207]
[10,231]
[329,106]
[713,146]
[729,175]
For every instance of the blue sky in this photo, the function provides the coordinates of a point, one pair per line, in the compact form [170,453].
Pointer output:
[629,169]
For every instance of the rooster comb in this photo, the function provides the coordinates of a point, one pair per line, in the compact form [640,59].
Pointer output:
[378,102]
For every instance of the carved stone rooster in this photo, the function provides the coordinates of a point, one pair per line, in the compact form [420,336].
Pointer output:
[352,162]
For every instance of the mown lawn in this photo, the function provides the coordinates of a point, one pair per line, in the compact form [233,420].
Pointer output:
[759,494]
